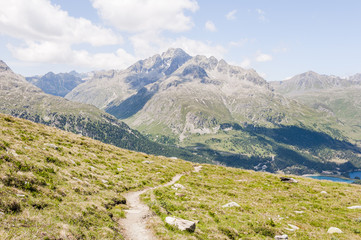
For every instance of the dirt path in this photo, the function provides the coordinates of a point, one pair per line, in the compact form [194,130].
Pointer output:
[135,224]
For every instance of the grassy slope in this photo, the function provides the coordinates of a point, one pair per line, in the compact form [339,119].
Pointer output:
[73,191]
[344,103]
[267,206]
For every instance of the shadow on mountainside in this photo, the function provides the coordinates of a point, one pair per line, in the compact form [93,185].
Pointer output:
[295,149]
[302,138]
[131,105]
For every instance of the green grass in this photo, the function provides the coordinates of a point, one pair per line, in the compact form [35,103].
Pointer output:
[267,206]
[70,191]
[55,184]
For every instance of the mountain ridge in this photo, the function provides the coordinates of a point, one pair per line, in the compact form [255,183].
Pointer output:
[191,107]
[22,99]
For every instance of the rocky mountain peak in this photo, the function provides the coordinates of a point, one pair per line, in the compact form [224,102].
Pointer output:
[166,63]
[4,67]
[175,53]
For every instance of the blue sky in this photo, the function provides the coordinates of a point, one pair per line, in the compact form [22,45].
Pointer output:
[278,38]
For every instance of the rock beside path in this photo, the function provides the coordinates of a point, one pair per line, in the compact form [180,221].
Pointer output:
[288,180]
[231,204]
[181,224]
[281,237]
[354,207]
[178,186]
[333,230]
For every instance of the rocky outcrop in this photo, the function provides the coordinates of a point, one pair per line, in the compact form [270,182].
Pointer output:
[288,180]
[333,230]
[231,204]
[181,224]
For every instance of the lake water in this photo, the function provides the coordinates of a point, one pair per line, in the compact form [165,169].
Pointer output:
[334,179]
[355,174]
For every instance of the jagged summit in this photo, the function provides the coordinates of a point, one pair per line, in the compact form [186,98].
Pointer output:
[4,66]
[175,53]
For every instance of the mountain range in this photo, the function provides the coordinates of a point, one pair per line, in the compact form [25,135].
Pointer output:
[337,97]
[22,99]
[58,84]
[222,111]
[196,108]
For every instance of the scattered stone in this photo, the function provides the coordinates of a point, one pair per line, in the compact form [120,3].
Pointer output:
[323,192]
[2,214]
[12,151]
[173,158]
[241,180]
[292,228]
[20,195]
[299,212]
[333,230]
[177,186]
[288,180]
[281,237]
[179,194]
[72,161]
[231,204]
[181,224]
[104,181]
[354,207]
[120,169]
[197,168]
[93,168]
[147,162]
[51,145]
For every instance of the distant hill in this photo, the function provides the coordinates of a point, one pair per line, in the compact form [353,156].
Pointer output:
[22,99]
[57,84]
[222,111]
[337,97]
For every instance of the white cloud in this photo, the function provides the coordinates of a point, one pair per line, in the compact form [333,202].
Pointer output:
[48,34]
[39,20]
[231,15]
[50,52]
[261,14]
[262,57]
[147,46]
[210,26]
[194,47]
[147,15]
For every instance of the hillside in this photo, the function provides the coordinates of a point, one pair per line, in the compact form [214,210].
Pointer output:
[55,184]
[22,99]
[337,97]
[224,112]
[57,84]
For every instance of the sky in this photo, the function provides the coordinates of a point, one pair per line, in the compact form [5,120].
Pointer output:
[278,38]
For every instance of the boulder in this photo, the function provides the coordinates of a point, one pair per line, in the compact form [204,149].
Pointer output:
[231,204]
[51,145]
[289,180]
[281,237]
[147,162]
[181,224]
[323,192]
[354,207]
[333,230]
[292,228]
[178,186]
